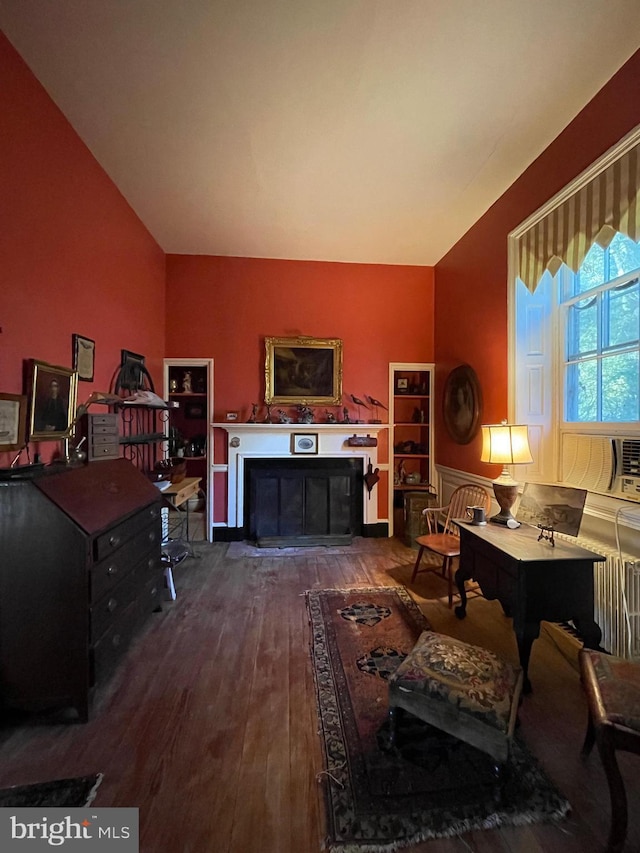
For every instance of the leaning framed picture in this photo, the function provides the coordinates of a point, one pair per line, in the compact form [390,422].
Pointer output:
[303,371]
[13,420]
[52,400]
[462,404]
[84,351]
[559,507]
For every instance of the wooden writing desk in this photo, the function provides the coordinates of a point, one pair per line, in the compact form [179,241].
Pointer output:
[179,493]
[531,579]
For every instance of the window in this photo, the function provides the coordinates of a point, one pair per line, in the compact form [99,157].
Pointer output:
[601,323]
[574,333]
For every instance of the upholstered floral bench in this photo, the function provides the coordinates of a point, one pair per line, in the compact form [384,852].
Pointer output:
[461,689]
[612,687]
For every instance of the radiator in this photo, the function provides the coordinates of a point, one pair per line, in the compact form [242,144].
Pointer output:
[616,597]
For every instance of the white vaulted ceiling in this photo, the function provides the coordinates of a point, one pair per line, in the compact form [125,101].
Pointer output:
[345,130]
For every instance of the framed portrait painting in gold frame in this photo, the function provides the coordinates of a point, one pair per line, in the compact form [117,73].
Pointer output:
[52,401]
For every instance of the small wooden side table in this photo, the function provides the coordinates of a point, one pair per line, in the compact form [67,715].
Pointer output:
[178,495]
[415,501]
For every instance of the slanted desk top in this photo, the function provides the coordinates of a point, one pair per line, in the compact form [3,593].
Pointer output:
[80,574]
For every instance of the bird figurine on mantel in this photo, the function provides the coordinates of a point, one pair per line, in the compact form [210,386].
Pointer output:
[376,405]
[359,403]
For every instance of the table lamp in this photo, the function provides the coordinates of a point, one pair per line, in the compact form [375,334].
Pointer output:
[507,444]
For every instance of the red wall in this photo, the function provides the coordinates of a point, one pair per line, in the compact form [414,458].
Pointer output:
[471,280]
[222,308]
[75,258]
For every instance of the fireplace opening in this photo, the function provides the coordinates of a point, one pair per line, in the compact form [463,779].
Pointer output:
[303,501]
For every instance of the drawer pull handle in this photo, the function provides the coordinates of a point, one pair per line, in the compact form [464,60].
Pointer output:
[112,570]
[152,562]
[116,640]
[155,512]
[154,592]
[112,604]
[152,536]
[114,541]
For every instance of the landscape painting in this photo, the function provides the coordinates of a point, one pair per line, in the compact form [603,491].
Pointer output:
[559,507]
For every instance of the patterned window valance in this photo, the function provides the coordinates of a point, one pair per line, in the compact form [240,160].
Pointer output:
[608,203]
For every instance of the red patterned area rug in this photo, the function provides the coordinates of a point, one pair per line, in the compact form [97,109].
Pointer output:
[431,785]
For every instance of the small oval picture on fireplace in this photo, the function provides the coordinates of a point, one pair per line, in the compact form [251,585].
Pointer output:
[304,442]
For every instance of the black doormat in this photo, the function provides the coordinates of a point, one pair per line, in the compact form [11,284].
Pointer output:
[433,785]
[59,793]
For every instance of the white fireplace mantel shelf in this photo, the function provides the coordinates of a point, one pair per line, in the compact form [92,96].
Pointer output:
[347,429]
[252,441]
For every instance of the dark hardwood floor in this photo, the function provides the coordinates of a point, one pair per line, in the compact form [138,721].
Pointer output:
[209,725]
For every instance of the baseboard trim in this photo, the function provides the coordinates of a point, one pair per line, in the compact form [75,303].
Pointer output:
[379,530]
[228,534]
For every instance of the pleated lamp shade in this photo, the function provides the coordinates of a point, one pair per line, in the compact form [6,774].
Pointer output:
[505,444]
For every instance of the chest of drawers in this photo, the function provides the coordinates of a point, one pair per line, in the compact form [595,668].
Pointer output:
[81,573]
[102,436]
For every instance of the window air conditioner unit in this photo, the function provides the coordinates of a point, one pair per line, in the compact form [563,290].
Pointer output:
[626,482]
[598,463]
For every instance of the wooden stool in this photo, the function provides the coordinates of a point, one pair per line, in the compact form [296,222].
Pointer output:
[612,686]
[464,690]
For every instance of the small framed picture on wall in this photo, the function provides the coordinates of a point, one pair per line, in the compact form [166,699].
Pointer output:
[304,442]
[13,420]
[84,350]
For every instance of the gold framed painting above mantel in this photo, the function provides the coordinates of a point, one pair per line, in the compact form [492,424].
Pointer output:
[303,371]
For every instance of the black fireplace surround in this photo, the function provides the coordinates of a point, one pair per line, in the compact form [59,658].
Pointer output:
[293,502]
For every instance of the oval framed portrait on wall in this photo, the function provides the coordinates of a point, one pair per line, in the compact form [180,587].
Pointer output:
[462,404]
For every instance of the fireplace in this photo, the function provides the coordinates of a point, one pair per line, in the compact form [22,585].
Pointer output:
[303,501]
[279,497]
